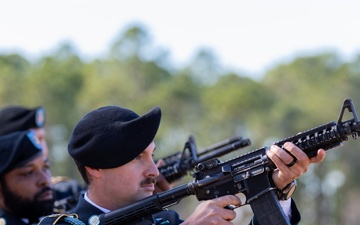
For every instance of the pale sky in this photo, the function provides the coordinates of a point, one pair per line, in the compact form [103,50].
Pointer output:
[246,35]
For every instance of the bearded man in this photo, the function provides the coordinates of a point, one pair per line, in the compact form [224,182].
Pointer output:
[26,192]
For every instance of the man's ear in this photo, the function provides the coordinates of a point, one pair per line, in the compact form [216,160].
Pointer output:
[93,172]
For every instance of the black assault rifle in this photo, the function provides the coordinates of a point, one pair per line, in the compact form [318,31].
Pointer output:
[180,163]
[248,174]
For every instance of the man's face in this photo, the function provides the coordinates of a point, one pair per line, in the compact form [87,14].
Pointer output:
[27,191]
[131,182]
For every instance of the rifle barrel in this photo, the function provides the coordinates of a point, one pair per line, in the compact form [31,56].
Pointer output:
[225,149]
[219,145]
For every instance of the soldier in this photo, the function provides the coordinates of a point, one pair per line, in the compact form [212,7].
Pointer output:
[113,148]
[19,118]
[25,179]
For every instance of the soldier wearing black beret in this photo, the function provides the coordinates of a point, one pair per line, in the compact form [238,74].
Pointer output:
[113,148]
[19,118]
[108,138]
[25,179]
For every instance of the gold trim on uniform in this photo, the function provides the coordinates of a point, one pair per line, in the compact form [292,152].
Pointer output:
[59,216]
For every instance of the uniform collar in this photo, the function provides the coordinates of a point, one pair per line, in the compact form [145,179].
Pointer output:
[86,197]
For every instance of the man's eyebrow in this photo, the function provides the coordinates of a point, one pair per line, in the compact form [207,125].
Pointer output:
[25,166]
[31,164]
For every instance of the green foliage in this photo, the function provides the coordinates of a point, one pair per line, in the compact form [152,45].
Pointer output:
[13,70]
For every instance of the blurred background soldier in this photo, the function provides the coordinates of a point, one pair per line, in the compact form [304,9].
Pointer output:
[67,192]
[18,118]
[25,179]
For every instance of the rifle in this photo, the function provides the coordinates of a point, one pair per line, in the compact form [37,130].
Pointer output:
[178,164]
[249,174]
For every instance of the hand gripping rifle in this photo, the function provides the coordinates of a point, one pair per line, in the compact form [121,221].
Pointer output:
[179,164]
[249,174]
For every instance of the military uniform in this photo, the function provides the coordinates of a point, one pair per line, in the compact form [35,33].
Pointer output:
[87,214]
[110,137]
[9,219]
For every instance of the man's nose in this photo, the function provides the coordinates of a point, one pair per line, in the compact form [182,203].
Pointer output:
[153,170]
[44,178]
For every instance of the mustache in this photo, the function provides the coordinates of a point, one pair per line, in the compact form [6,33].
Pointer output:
[43,190]
[149,180]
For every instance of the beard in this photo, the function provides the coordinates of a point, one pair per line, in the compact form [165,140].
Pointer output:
[31,209]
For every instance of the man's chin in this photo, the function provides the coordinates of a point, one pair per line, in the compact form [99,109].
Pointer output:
[148,194]
[144,195]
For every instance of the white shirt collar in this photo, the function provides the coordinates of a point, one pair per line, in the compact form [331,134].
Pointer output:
[86,197]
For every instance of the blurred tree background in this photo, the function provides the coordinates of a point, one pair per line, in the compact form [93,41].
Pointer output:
[200,99]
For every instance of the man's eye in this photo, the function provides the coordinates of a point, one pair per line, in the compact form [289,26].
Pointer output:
[27,173]
[46,167]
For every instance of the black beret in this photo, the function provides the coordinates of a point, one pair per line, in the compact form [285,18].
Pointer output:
[18,148]
[112,136]
[17,118]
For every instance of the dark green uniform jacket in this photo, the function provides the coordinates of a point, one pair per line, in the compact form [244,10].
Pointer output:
[89,215]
